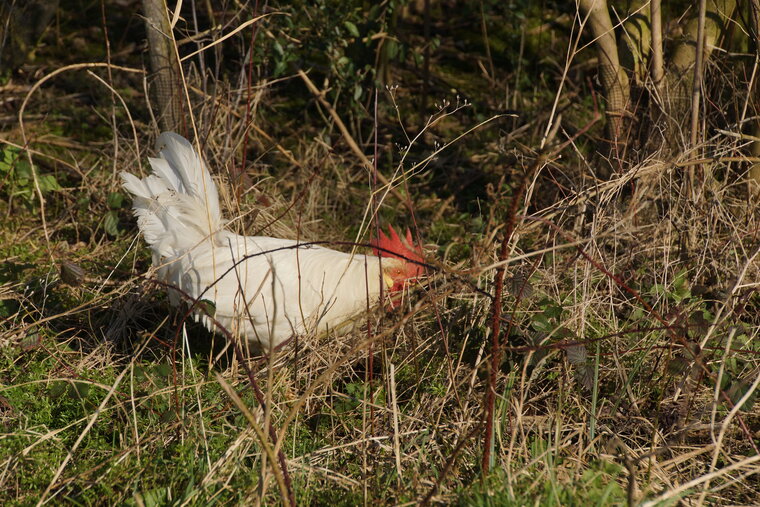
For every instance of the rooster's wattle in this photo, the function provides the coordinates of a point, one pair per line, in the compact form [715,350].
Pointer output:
[263,289]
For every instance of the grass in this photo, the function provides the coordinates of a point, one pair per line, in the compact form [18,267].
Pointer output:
[630,317]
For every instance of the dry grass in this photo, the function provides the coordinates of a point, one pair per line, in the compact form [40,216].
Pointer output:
[629,368]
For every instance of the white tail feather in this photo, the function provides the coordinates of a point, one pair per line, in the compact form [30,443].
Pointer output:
[177,206]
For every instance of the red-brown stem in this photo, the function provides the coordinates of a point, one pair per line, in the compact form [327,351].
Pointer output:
[490,398]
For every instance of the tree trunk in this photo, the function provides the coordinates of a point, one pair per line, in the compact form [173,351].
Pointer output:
[658,67]
[612,76]
[165,81]
[754,170]
[680,76]
[636,40]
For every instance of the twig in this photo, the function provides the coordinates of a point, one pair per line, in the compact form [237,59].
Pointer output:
[90,423]
[218,101]
[655,12]
[347,135]
[425,62]
[241,171]
[697,86]
[396,443]
[25,140]
[449,464]
[259,432]
[662,499]
[669,327]
[195,305]
[486,42]
[490,399]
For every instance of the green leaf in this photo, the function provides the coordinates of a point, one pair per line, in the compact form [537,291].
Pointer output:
[736,392]
[78,390]
[553,311]
[151,498]
[24,193]
[111,223]
[280,68]
[374,12]
[392,49]
[677,365]
[47,183]
[207,306]
[163,370]
[541,323]
[57,389]
[23,170]
[115,200]
[83,202]
[577,355]
[9,156]
[351,28]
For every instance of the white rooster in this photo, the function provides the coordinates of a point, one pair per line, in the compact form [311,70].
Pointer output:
[263,289]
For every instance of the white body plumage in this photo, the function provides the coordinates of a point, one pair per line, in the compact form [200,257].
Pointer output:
[263,289]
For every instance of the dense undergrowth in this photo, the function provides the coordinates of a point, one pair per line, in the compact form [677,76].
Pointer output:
[630,316]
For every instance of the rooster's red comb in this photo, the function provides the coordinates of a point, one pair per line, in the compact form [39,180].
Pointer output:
[393,246]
